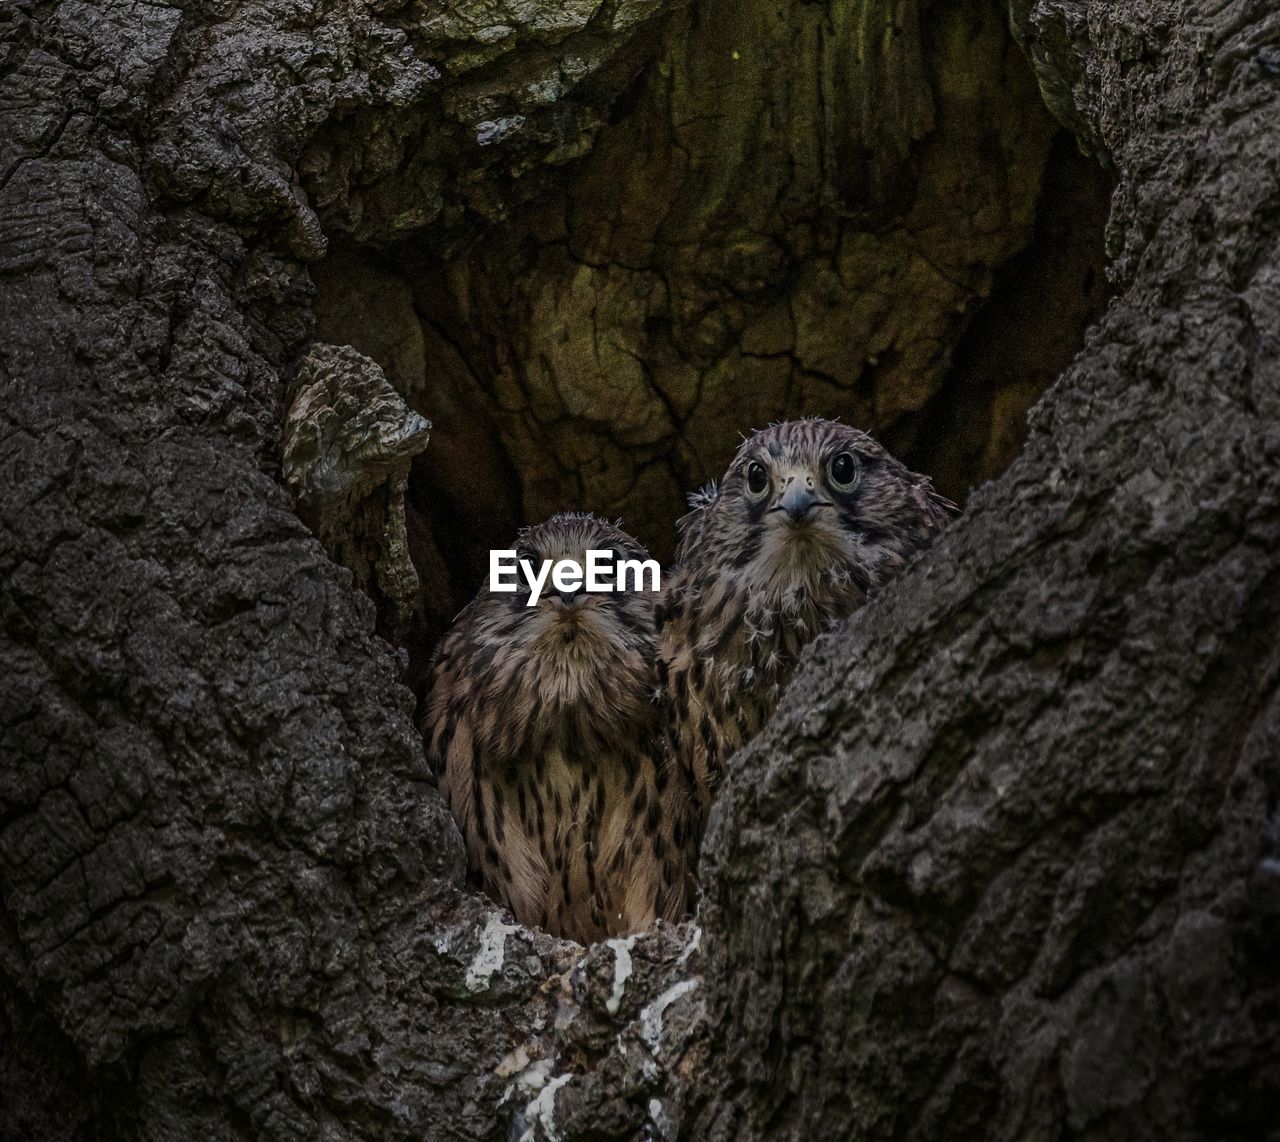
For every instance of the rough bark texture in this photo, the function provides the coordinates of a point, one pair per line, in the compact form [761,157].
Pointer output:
[1006,863]
[345,451]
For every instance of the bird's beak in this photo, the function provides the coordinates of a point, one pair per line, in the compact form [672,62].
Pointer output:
[797,501]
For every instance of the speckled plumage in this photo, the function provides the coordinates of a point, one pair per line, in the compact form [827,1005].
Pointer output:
[542,731]
[753,585]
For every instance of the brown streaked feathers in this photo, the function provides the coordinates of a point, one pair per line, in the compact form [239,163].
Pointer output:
[810,519]
[582,801]
[545,739]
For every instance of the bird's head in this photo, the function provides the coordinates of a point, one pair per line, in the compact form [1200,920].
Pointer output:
[570,640]
[809,502]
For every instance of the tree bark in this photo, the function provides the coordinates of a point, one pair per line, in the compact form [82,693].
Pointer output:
[1006,863]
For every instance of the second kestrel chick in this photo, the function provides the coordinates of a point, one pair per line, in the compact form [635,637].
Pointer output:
[811,517]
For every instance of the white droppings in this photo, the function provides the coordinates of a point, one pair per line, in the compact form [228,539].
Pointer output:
[658,1116]
[621,972]
[693,946]
[542,1111]
[526,1083]
[651,1015]
[493,943]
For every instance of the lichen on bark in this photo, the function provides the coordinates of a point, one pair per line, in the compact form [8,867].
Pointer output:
[346,446]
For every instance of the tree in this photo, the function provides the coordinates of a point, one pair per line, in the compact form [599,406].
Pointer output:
[1005,863]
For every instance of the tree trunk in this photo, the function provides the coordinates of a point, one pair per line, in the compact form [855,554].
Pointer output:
[1007,861]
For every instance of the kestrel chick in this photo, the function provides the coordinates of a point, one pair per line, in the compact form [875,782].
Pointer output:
[542,731]
[811,517]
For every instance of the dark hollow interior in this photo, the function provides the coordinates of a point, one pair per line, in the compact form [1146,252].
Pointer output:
[605,345]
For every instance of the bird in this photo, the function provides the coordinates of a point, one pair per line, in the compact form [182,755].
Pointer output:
[543,733]
[810,519]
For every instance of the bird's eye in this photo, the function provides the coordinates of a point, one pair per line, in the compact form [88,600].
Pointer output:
[606,564]
[524,555]
[757,478]
[844,470]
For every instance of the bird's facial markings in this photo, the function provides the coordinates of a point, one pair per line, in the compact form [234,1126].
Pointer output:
[798,494]
[747,551]
[526,557]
